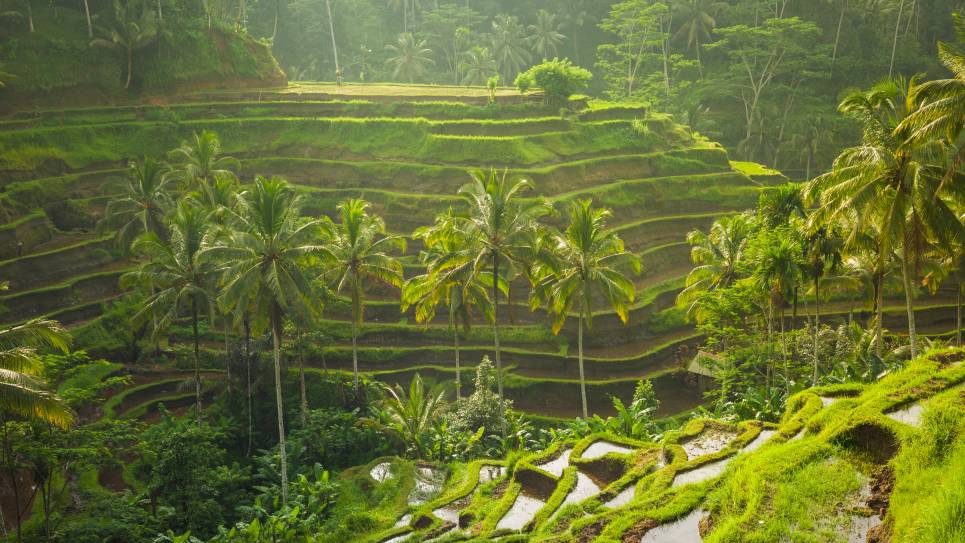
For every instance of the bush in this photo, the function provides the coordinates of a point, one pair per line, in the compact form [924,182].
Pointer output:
[524,82]
[559,79]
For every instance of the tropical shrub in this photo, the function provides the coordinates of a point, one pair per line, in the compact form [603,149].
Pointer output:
[559,79]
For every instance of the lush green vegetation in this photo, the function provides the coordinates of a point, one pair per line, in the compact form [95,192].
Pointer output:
[341,311]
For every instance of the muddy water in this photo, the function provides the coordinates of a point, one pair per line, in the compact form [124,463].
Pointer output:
[759,440]
[685,530]
[556,467]
[622,498]
[910,415]
[709,441]
[858,531]
[585,487]
[603,448]
[398,538]
[428,483]
[404,521]
[522,511]
[382,472]
[447,514]
[707,471]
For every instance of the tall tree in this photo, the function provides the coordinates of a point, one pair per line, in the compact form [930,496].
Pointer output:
[129,32]
[358,254]
[410,59]
[198,160]
[544,36]
[585,260]
[503,223]
[637,26]
[142,203]
[264,272]
[478,65]
[413,413]
[717,256]
[891,182]
[448,280]
[696,25]
[331,29]
[179,277]
[509,46]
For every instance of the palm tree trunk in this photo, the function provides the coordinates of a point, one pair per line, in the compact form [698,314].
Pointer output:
[90,28]
[770,333]
[355,356]
[197,356]
[130,67]
[894,44]
[958,318]
[274,28]
[579,343]
[817,323]
[276,332]
[879,314]
[837,37]
[160,15]
[909,305]
[30,17]
[787,379]
[248,369]
[301,381]
[331,28]
[227,352]
[499,365]
[455,338]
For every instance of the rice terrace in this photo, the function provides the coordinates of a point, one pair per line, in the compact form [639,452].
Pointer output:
[397,272]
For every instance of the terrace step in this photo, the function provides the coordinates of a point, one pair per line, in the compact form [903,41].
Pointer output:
[35,270]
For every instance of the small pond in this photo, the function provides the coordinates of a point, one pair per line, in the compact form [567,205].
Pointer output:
[522,511]
[910,415]
[710,441]
[685,530]
[603,448]
[696,475]
[556,467]
[622,498]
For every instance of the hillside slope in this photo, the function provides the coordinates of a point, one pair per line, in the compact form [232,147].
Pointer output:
[846,463]
[406,150]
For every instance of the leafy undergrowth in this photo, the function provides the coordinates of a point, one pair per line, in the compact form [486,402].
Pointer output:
[884,461]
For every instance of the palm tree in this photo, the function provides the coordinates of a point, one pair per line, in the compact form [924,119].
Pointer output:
[948,263]
[264,273]
[544,36]
[777,269]
[503,223]
[22,392]
[411,58]
[198,161]
[141,207]
[509,46]
[179,277]
[585,260]
[871,266]
[822,253]
[696,26]
[357,252]
[478,66]
[331,29]
[942,115]
[716,256]
[448,279]
[892,182]
[129,32]
[412,414]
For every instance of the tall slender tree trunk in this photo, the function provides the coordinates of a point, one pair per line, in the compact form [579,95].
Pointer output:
[227,352]
[355,355]
[880,315]
[894,43]
[130,67]
[160,14]
[958,317]
[909,305]
[817,323]
[579,343]
[301,381]
[276,332]
[499,365]
[90,27]
[274,28]
[331,28]
[837,35]
[784,357]
[455,339]
[30,25]
[197,356]
[247,325]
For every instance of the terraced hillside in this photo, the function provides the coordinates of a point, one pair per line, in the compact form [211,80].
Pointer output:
[846,463]
[406,150]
